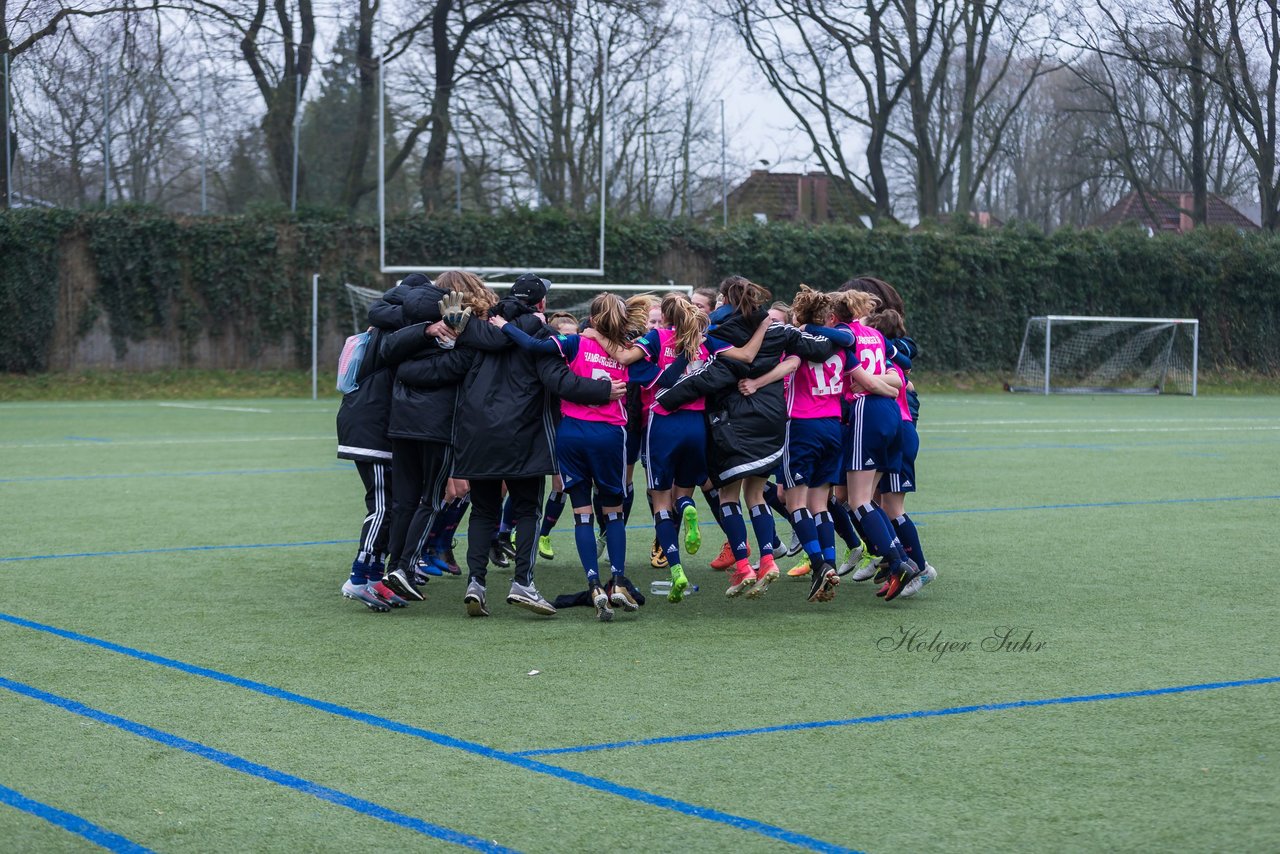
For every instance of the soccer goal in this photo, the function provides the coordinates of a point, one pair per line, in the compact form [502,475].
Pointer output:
[360,300]
[1063,354]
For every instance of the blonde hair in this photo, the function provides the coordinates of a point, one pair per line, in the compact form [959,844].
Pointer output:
[810,306]
[617,321]
[851,305]
[475,295]
[689,323]
[563,317]
[783,308]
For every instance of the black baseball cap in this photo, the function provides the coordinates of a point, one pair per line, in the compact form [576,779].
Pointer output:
[530,288]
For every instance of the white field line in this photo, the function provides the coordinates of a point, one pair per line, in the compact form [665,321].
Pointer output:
[208,407]
[1124,420]
[1245,428]
[156,442]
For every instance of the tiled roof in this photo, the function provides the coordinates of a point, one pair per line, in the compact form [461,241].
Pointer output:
[791,196]
[1168,207]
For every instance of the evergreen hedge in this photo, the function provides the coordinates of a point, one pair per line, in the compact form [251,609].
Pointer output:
[968,291]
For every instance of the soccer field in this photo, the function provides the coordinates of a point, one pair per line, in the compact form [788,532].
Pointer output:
[1095,667]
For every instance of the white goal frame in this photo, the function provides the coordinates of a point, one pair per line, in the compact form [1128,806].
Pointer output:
[1050,319]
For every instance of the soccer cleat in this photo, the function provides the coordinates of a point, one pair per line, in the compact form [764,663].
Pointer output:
[868,566]
[657,557]
[913,586]
[852,560]
[474,600]
[361,593]
[507,542]
[498,555]
[601,600]
[620,596]
[741,579]
[544,548]
[428,566]
[766,575]
[528,597]
[692,534]
[800,570]
[823,586]
[451,563]
[382,591]
[726,558]
[883,569]
[795,547]
[400,585]
[679,584]
[899,577]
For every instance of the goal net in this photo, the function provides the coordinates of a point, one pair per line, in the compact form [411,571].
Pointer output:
[360,300]
[1096,355]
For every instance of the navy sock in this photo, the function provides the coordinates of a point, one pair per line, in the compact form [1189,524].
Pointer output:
[599,510]
[734,528]
[628,498]
[555,506]
[584,537]
[615,535]
[906,531]
[807,530]
[682,503]
[375,571]
[843,521]
[826,535]
[667,529]
[773,497]
[359,571]
[713,501]
[762,524]
[879,535]
[504,526]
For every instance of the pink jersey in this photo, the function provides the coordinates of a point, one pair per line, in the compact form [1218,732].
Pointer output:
[594,361]
[816,388]
[869,349]
[666,356]
[902,393]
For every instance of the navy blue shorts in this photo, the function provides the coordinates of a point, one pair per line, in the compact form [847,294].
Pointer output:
[811,456]
[675,452]
[904,479]
[872,438]
[592,452]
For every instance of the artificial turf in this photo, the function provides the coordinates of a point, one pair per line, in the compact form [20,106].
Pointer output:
[1134,538]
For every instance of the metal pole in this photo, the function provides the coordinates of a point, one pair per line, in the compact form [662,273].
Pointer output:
[204,154]
[724,180]
[382,170]
[297,126]
[315,331]
[1195,355]
[106,138]
[604,123]
[1048,334]
[8,133]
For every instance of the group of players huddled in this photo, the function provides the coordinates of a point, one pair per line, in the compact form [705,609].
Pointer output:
[466,398]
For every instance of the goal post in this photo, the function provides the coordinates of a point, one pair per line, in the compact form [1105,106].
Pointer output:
[1071,354]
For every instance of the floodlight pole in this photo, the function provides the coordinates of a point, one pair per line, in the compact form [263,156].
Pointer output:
[297,127]
[315,331]
[8,133]
[724,180]
[204,154]
[106,137]
[382,169]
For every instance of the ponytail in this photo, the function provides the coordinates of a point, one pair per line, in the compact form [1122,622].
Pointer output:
[689,323]
[744,295]
[617,321]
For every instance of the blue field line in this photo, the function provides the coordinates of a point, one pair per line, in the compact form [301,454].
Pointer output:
[598,784]
[1095,504]
[179,549]
[85,439]
[99,836]
[900,716]
[236,763]
[57,477]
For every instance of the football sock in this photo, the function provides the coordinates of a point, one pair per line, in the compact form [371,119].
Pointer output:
[550,516]
[826,535]
[773,497]
[615,535]
[666,526]
[682,503]
[843,521]
[906,531]
[807,530]
[584,537]
[359,571]
[628,498]
[599,510]
[879,535]
[762,524]
[713,501]
[734,528]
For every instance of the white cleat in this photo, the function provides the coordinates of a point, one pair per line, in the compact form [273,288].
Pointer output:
[914,585]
